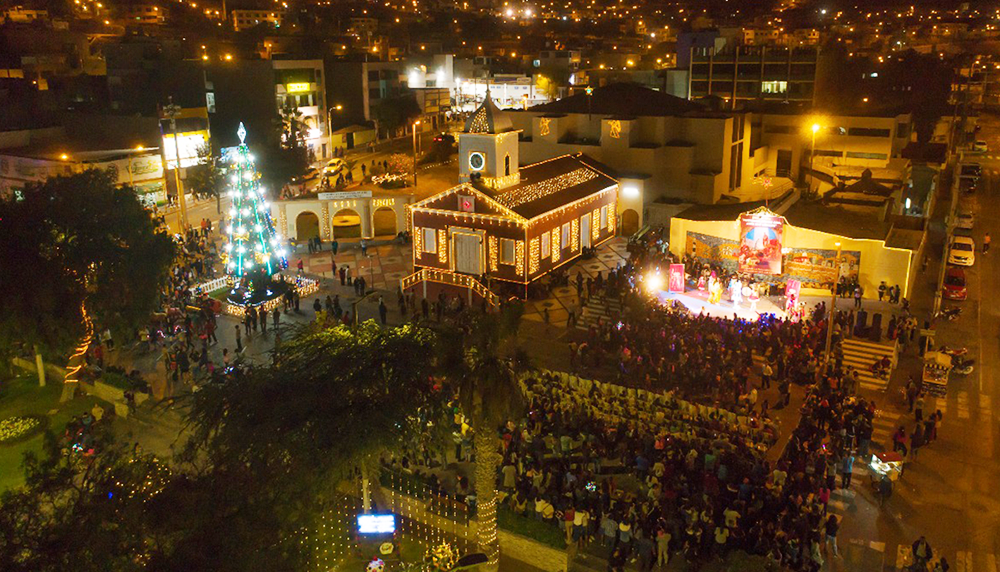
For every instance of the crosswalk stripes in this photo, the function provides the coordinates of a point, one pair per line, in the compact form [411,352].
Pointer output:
[599,308]
[961,561]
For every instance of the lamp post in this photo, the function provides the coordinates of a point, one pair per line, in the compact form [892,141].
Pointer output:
[833,310]
[173,111]
[329,123]
[415,124]
[812,156]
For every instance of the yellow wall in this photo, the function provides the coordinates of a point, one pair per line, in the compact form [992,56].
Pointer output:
[878,262]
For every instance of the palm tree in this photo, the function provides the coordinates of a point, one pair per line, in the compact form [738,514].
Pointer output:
[487,378]
[293,127]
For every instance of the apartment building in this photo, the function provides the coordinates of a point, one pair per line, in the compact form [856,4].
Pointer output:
[754,73]
[246,19]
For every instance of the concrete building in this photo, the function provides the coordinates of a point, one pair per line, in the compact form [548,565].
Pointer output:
[354,89]
[246,19]
[300,84]
[661,148]
[754,73]
[150,14]
[845,146]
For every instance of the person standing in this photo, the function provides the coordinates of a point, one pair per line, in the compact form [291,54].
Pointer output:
[239,340]
[831,527]
[986,243]
[276,318]
[857,296]
[846,469]
[263,320]
[765,375]
[382,310]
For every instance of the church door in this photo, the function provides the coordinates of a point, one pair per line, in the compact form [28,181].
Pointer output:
[468,253]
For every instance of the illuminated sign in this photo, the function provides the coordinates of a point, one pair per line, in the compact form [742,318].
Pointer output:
[615,128]
[376,523]
[188,144]
[297,87]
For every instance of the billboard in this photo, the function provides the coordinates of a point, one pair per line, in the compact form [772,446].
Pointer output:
[376,523]
[189,144]
[760,243]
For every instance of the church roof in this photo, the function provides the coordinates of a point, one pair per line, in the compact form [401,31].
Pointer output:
[488,119]
[550,184]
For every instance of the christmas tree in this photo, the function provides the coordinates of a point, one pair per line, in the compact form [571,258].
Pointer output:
[254,253]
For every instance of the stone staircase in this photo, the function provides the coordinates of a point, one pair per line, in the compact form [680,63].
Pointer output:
[599,307]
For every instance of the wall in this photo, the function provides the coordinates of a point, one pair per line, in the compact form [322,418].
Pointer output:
[547,223]
[284,213]
[877,262]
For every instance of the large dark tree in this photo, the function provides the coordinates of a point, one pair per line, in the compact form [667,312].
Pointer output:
[333,400]
[122,511]
[72,246]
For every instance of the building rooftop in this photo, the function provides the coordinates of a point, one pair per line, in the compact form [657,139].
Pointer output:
[550,184]
[623,100]
[488,119]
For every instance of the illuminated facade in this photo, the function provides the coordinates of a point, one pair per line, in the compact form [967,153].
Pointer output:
[515,225]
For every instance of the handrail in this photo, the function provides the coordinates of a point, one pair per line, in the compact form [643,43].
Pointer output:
[454,279]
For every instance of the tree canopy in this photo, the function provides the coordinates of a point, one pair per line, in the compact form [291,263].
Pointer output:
[72,239]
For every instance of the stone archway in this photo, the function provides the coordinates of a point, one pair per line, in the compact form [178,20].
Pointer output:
[346,224]
[384,222]
[630,222]
[306,226]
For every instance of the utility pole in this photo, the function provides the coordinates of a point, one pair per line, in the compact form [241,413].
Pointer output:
[831,316]
[415,124]
[173,111]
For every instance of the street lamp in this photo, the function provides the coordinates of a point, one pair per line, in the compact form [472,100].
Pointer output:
[173,111]
[329,123]
[812,156]
[415,124]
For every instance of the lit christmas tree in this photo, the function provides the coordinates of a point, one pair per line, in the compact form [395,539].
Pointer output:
[254,253]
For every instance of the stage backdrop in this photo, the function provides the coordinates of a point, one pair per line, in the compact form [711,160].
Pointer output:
[814,268]
[760,243]
[809,255]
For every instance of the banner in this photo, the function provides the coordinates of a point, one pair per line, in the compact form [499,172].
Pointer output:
[676,278]
[792,289]
[760,243]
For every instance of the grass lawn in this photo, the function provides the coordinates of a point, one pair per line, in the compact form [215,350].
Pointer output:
[22,396]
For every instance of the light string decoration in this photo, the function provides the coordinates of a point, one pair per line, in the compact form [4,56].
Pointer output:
[502,182]
[325,215]
[575,234]
[556,247]
[254,250]
[442,245]
[480,123]
[533,252]
[494,255]
[535,191]
[519,257]
[76,361]
[595,225]
[418,241]
[612,217]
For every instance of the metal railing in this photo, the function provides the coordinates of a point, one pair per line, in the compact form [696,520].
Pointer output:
[451,278]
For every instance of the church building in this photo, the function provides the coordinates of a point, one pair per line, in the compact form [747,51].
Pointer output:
[509,222]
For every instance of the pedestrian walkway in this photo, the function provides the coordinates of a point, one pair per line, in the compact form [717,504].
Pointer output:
[599,309]
[383,266]
[861,354]
[960,561]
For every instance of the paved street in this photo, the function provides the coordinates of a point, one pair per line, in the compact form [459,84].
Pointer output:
[949,493]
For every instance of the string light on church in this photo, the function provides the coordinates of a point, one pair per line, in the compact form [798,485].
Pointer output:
[535,191]
[556,247]
[533,256]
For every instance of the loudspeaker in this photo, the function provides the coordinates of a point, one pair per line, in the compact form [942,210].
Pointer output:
[861,323]
[875,334]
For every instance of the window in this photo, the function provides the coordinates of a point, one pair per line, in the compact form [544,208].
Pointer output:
[868,132]
[506,165]
[604,217]
[854,155]
[828,153]
[506,251]
[774,87]
[779,129]
[902,130]
[430,240]
[566,236]
[546,245]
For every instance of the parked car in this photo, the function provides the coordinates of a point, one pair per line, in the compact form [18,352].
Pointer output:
[954,284]
[311,173]
[968,184]
[965,220]
[444,138]
[971,170]
[962,251]
[980,146]
[334,167]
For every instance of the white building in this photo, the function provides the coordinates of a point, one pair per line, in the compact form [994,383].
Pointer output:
[246,19]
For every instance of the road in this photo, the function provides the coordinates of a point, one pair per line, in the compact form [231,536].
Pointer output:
[950,492]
